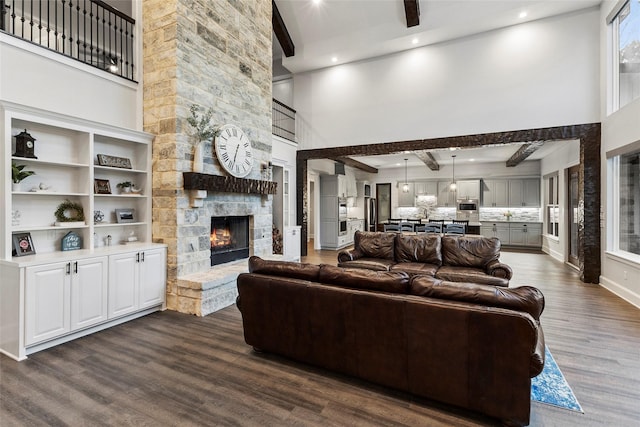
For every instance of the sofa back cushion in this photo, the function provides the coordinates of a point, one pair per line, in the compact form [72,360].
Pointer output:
[523,298]
[425,248]
[294,270]
[374,244]
[360,278]
[469,251]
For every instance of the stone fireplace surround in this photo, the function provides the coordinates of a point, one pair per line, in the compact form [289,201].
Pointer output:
[202,289]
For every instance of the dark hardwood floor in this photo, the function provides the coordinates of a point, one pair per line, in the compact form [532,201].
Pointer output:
[176,369]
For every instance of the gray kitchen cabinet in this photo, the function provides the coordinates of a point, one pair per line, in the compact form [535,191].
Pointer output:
[425,188]
[468,189]
[495,193]
[524,193]
[496,229]
[406,199]
[446,197]
[525,234]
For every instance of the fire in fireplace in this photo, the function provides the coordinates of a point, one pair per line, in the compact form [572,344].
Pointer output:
[229,238]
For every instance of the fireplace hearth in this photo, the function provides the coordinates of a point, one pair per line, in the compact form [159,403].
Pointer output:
[229,239]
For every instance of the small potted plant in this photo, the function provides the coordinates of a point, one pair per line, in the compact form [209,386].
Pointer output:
[125,187]
[18,174]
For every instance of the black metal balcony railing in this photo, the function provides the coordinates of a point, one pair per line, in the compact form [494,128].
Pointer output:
[283,120]
[89,31]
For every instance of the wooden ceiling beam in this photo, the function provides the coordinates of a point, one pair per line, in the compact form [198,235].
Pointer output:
[523,152]
[355,164]
[280,30]
[412,12]
[428,159]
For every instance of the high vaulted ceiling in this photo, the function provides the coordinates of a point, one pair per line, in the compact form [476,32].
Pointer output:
[352,30]
[332,32]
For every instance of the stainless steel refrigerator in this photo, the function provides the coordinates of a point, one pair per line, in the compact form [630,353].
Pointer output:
[370,214]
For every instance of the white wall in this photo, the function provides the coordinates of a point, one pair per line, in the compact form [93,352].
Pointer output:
[282,90]
[566,156]
[36,77]
[284,155]
[538,74]
[620,129]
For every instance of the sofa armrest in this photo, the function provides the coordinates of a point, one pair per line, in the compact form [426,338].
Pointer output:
[538,356]
[349,255]
[497,269]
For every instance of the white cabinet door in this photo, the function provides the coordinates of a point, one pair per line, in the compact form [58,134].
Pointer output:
[153,279]
[446,197]
[468,189]
[47,308]
[88,292]
[123,284]
[518,234]
[495,193]
[292,243]
[406,199]
[531,192]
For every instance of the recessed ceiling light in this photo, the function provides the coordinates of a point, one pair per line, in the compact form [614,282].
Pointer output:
[398,164]
[472,160]
[415,40]
[334,59]
[523,14]
[316,1]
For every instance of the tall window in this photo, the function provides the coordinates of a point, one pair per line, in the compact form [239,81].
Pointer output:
[629,202]
[626,37]
[552,211]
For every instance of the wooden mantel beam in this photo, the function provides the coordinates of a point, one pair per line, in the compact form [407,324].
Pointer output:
[281,32]
[355,164]
[412,12]
[523,152]
[428,159]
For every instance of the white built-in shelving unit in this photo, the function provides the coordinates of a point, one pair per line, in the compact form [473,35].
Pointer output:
[53,296]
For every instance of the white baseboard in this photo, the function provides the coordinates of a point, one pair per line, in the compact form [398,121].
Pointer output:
[553,254]
[621,291]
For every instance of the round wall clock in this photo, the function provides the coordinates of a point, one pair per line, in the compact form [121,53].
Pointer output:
[234,150]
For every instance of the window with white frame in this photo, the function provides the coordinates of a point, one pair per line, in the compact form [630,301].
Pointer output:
[625,180]
[552,208]
[625,23]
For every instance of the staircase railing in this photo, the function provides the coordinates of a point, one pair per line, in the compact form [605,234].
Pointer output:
[283,122]
[89,31]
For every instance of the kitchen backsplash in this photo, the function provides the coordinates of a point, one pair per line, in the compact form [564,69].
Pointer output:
[427,209]
[515,214]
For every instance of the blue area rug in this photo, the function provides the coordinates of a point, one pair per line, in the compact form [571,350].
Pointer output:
[551,387]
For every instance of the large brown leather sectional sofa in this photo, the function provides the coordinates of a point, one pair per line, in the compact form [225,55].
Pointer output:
[454,258]
[473,346]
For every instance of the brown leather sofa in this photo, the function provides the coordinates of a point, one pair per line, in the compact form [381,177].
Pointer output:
[469,345]
[454,258]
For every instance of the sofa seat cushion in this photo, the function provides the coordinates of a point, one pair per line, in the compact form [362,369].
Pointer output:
[394,282]
[469,251]
[522,298]
[295,270]
[415,268]
[469,274]
[424,248]
[376,264]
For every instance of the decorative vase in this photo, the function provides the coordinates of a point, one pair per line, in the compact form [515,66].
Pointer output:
[15,186]
[198,157]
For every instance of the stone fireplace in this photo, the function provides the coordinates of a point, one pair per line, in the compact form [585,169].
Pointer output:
[197,52]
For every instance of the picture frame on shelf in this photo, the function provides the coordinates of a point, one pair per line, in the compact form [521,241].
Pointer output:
[22,244]
[125,215]
[114,161]
[101,186]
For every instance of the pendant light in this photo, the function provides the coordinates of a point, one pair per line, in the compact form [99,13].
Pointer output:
[453,186]
[405,187]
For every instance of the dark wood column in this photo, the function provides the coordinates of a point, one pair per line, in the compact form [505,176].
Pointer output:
[589,232]
[302,201]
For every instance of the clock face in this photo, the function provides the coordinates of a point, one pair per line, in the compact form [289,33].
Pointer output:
[234,151]
[29,144]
